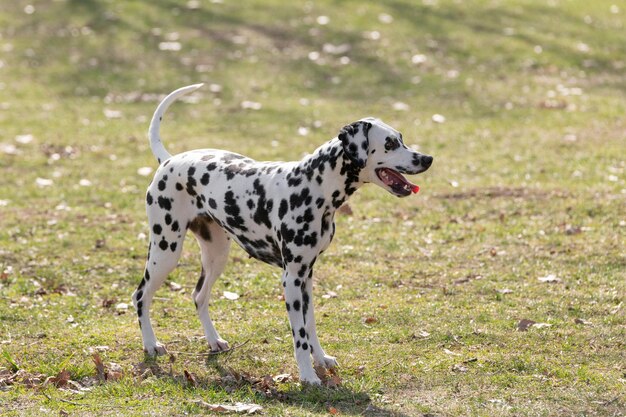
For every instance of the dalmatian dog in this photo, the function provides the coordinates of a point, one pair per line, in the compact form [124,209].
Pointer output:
[278,212]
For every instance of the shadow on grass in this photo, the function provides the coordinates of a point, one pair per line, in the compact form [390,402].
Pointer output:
[344,400]
[126,47]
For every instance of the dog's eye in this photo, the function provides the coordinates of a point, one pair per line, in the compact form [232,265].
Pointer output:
[391,143]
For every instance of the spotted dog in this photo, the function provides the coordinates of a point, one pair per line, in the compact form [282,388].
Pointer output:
[278,212]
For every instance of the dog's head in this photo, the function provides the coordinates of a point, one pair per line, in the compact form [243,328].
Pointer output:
[378,150]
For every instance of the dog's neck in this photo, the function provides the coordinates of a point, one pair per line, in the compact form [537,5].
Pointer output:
[338,176]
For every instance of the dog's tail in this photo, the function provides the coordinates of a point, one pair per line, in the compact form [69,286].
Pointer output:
[153,133]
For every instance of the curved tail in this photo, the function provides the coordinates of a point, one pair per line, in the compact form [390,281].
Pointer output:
[157,147]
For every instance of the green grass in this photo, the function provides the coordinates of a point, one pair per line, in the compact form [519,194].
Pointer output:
[528,180]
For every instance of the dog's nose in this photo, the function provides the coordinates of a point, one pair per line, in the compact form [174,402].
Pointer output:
[426,161]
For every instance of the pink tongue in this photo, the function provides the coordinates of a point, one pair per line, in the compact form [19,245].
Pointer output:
[415,188]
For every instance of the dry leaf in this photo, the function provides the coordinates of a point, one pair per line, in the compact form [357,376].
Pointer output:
[230,295]
[282,378]
[423,333]
[191,379]
[121,307]
[438,118]
[100,371]
[524,324]
[225,408]
[112,114]
[459,368]
[144,171]
[114,375]
[329,377]
[449,352]
[615,309]
[251,105]
[333,381]
[333,411]
[43,182]
[60,380]
[551,278]
[174,286]
[370,320]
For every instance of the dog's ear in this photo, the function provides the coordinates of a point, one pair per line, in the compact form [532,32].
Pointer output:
[355,141]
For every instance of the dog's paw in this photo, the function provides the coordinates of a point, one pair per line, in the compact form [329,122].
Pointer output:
[218,345]
[157,350]
[327,361]
[310,379]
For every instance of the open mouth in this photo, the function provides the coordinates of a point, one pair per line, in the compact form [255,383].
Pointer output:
[396,182]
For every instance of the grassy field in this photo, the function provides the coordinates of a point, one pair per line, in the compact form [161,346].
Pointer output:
[522,103]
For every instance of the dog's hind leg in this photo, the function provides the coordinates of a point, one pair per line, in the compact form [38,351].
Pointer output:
[215,245]
[166,243]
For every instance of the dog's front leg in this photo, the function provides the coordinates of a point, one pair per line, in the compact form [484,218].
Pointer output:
[295,305]
[319,356]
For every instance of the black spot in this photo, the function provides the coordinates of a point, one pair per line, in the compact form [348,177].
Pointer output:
[232,209]
[157,229]
[175,227]
[179,186]
[162,185]
[149,199]
[212,204]
[139,295]
[302,271]
[173,246]
[298,344]
[165,203]
[296,305]
[191,181]
[146,275]
[296,282]
[282,210]
[305,346]
[302,332]
[200,280]
[264,206]
[294,181]
[296,200]
[168,219]
[288,306]
[205,179]
[163,244]
[391,143]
